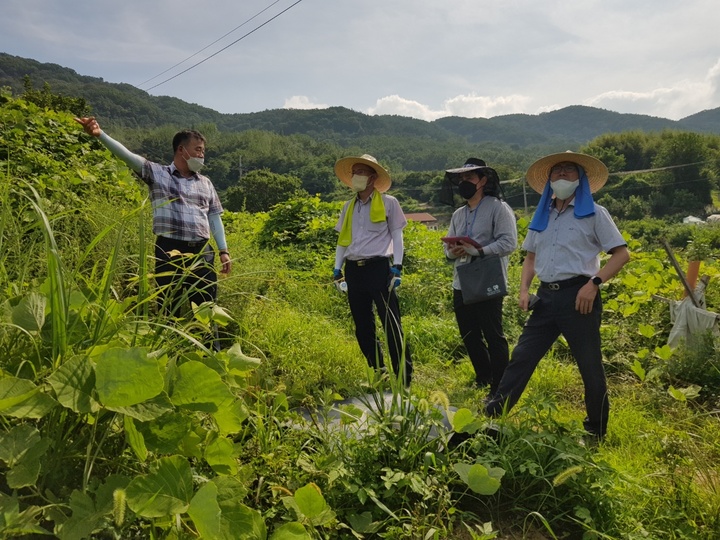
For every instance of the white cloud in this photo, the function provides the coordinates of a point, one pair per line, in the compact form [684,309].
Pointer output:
[468,106]
[302,102]
[474,106]
[405,107]
[686,97]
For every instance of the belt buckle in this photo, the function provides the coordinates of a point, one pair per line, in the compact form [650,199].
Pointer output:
[554,286]
[361,262]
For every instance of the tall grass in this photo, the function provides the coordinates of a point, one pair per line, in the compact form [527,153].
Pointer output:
[655,476]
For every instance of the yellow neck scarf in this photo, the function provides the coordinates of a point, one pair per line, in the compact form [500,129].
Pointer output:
[377,214]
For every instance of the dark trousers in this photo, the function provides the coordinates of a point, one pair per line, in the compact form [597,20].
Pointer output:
[480,326]
[368,285]
[184,271]
[555,314]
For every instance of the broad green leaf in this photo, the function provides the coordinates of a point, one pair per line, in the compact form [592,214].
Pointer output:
[15,443]
[27,469]
[629,309]
[198,388]
[205,512]
[664,352]
[89,514]
[240,363]
[464,421]
[126,377]
[221,456]
[22,449]
[147,410]
[166,491]
[677,394]
[17,524]
[220,316]
[462,418]
[84,519]
[646,330]
[638,370]
[74,382]
[684,394]
[310,501]
[208,312]
[22,399]
[480,479]
[363,523]
[29,314]
[218,513]
[165,435]
[290,531]
[135,438]
[230,416]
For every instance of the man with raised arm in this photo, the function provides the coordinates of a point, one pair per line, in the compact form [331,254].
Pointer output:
[186,211]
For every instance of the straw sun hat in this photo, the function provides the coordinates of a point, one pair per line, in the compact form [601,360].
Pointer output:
[343,170]
[538,173]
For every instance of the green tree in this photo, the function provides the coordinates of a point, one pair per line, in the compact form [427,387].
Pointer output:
[257,191]
[690,151]
[46,99]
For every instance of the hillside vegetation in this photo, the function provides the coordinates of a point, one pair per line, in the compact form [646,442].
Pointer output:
[119,423]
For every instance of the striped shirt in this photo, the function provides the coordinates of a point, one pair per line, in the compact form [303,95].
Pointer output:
[181,206]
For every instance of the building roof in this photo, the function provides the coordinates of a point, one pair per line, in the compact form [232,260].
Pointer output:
[422,217]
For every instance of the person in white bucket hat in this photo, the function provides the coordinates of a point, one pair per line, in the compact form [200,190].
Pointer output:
[565,238]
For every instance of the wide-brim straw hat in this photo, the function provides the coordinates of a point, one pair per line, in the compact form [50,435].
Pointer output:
[343,170]
[538,173]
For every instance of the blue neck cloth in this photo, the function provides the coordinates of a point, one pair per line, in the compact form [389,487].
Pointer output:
[584,204]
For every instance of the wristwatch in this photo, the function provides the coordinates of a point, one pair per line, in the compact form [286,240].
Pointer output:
[596,280]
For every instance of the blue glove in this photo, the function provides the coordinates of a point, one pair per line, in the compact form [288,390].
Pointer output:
[339,281]
[395,279]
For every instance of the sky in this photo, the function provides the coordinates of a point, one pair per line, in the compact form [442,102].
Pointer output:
[420,58]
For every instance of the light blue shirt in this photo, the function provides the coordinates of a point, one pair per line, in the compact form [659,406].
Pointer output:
[570,246]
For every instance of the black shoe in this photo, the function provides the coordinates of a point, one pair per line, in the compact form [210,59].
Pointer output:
[591,441]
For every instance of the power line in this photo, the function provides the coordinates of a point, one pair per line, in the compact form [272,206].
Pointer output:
[208,46]
[226,47]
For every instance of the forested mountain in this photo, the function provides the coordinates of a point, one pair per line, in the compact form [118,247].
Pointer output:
[124,105]
[278,153]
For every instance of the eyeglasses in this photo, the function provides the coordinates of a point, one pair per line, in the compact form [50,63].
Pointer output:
[567,167]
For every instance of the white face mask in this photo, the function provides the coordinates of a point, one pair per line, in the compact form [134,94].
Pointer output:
[563,189]
[359,183]
[194,163]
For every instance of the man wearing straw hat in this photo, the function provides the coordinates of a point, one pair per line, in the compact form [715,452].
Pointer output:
[566,235]
[370,245]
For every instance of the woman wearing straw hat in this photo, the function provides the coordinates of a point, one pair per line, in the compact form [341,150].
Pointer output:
[370,231]
[565,238]
[490,224]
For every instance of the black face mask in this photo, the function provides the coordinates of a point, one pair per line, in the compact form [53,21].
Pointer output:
[467,189]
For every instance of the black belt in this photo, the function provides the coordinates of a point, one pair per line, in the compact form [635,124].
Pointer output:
[565,283]
[174,242]
[365,262]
